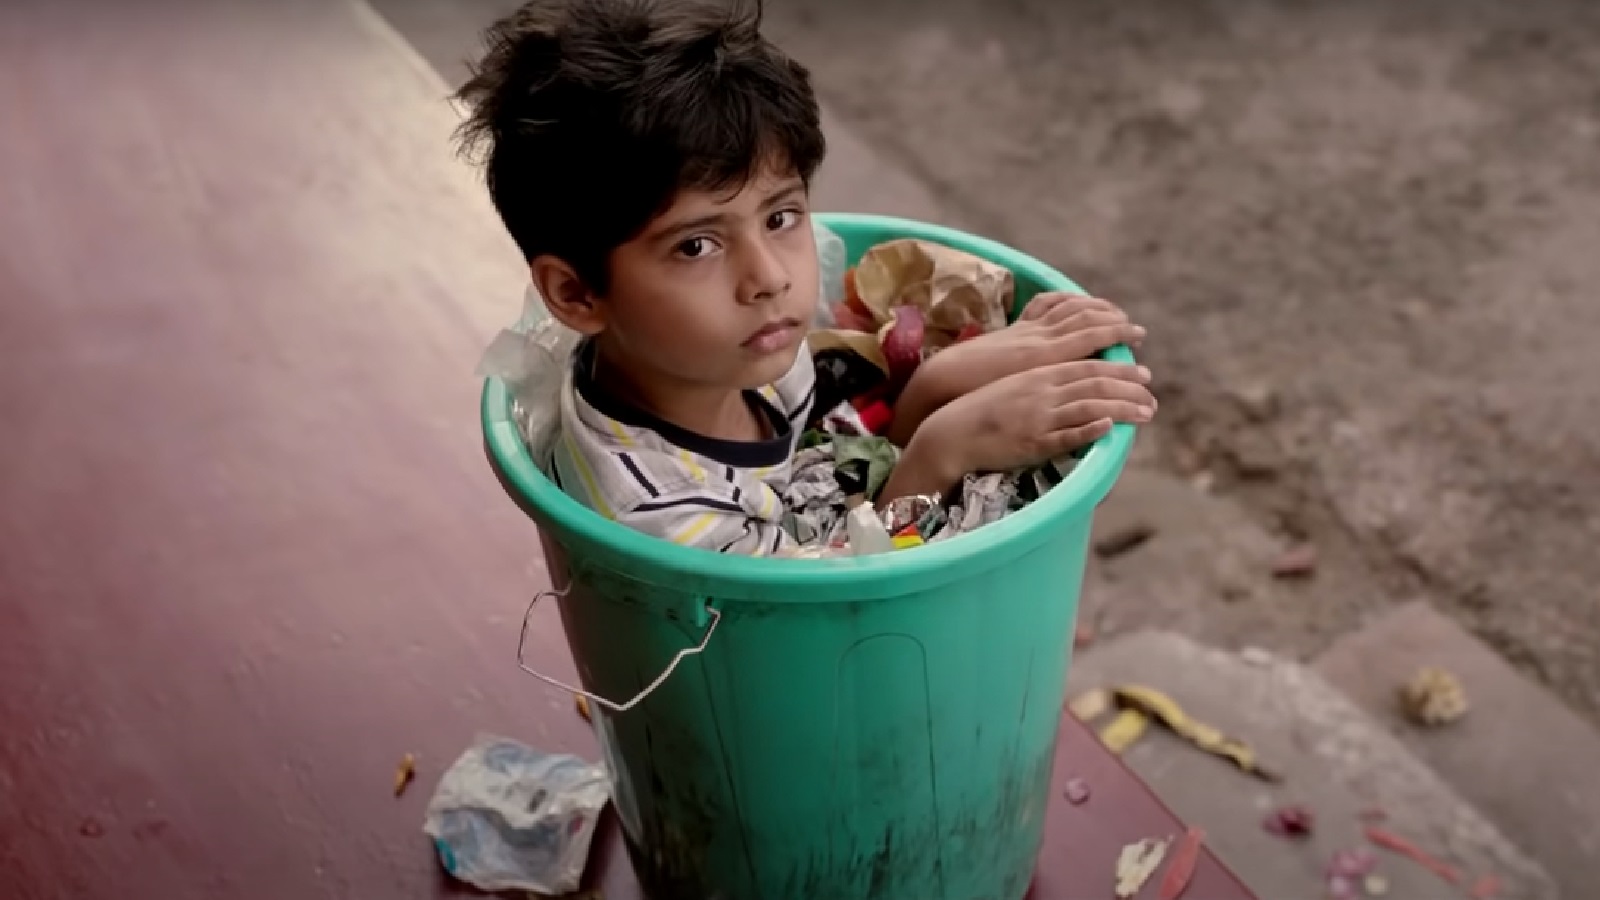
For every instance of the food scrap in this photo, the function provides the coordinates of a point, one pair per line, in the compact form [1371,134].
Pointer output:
[1090,705]
[1433,697]
[1082,636]
[1394,843]
[1290,821]
[1375,885]
[404,773]
[1127,727]
[1162,708]
[1487,887]
[1347,869]
[1077,791]
[1181,870]
[1136,863]
[581,704]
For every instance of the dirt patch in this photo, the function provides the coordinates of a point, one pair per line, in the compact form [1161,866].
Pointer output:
[1383,217]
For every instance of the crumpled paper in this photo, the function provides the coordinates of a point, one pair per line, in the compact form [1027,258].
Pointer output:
[958,294]
[508,817]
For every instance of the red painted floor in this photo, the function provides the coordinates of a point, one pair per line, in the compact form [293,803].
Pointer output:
[250,553]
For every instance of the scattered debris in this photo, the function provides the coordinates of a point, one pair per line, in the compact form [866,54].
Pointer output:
[1203,481]
[1347,869]
[1136,863]
[1162,708]
[508,817]
[1090,705]
[1124,539]
[404,773]
[1082,637]
[1181,870]
[1299,561]
[91,828]
[1077,791]
[1290,821]
[581,703]
[1394,843]
[1487,887]
[1433,697]
[1372,814]
[1375,885]
[1127,727]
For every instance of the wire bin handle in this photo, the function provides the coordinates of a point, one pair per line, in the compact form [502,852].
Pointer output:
[522,641]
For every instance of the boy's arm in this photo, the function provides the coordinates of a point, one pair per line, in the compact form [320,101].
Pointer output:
[1054,328]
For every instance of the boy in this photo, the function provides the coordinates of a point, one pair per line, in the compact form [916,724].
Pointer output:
[652,160]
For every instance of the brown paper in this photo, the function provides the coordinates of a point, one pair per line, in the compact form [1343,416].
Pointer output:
[953,288]
[858,342]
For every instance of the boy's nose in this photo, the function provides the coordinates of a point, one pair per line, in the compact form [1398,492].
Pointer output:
[766,275]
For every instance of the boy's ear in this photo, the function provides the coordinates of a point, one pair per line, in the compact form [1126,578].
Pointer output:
[567,297]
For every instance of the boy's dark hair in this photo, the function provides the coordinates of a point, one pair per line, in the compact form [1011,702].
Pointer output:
[591,115]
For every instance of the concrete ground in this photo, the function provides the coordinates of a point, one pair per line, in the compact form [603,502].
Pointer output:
[1380,214]
[1360,234]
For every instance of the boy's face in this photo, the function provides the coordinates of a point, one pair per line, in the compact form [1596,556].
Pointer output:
[719,290]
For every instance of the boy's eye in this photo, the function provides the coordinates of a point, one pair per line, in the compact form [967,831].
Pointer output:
[783,218]
[694,248]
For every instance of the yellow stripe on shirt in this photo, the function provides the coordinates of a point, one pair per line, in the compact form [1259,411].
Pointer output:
[696,526]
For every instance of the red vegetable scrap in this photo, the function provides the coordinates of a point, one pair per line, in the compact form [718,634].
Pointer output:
[1181,870]
[1290,822]
[1394,843]
[902,346]
[968,332]
[1077,791]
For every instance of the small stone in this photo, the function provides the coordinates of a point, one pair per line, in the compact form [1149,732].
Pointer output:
[1255,656]
[1077,791]
[1121,540]
[91,828]
[1258,401]
[1299,561]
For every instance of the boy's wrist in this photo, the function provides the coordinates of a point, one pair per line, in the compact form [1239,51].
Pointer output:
[930,464]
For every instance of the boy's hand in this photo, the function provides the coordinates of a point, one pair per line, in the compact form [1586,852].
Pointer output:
[1053,328]
[1021,420]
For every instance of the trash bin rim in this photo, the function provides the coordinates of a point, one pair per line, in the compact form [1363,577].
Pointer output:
[1074,498]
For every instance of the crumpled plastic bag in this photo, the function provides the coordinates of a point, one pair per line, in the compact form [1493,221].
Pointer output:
[833,259]
[508,817]
[532,357]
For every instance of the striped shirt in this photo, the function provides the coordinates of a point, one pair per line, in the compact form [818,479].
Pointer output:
[651,475]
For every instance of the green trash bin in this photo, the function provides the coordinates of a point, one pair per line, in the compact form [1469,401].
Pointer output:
[797,729]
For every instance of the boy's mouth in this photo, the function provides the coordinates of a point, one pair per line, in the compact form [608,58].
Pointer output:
[773,336]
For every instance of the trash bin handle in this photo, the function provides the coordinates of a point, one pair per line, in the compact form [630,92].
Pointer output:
[522,640]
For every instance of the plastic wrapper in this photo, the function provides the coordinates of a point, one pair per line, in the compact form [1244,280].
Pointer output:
[532,358]
[507,817]
[832,261]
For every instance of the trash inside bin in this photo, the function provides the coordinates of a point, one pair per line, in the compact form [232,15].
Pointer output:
[794,729]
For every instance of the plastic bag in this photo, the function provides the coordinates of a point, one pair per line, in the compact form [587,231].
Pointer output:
[832,261]
[532,357]
[507,817]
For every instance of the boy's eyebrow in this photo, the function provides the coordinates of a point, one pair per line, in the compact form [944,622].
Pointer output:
[717,218]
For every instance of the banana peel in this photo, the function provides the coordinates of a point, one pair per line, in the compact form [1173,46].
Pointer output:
[1138,705]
